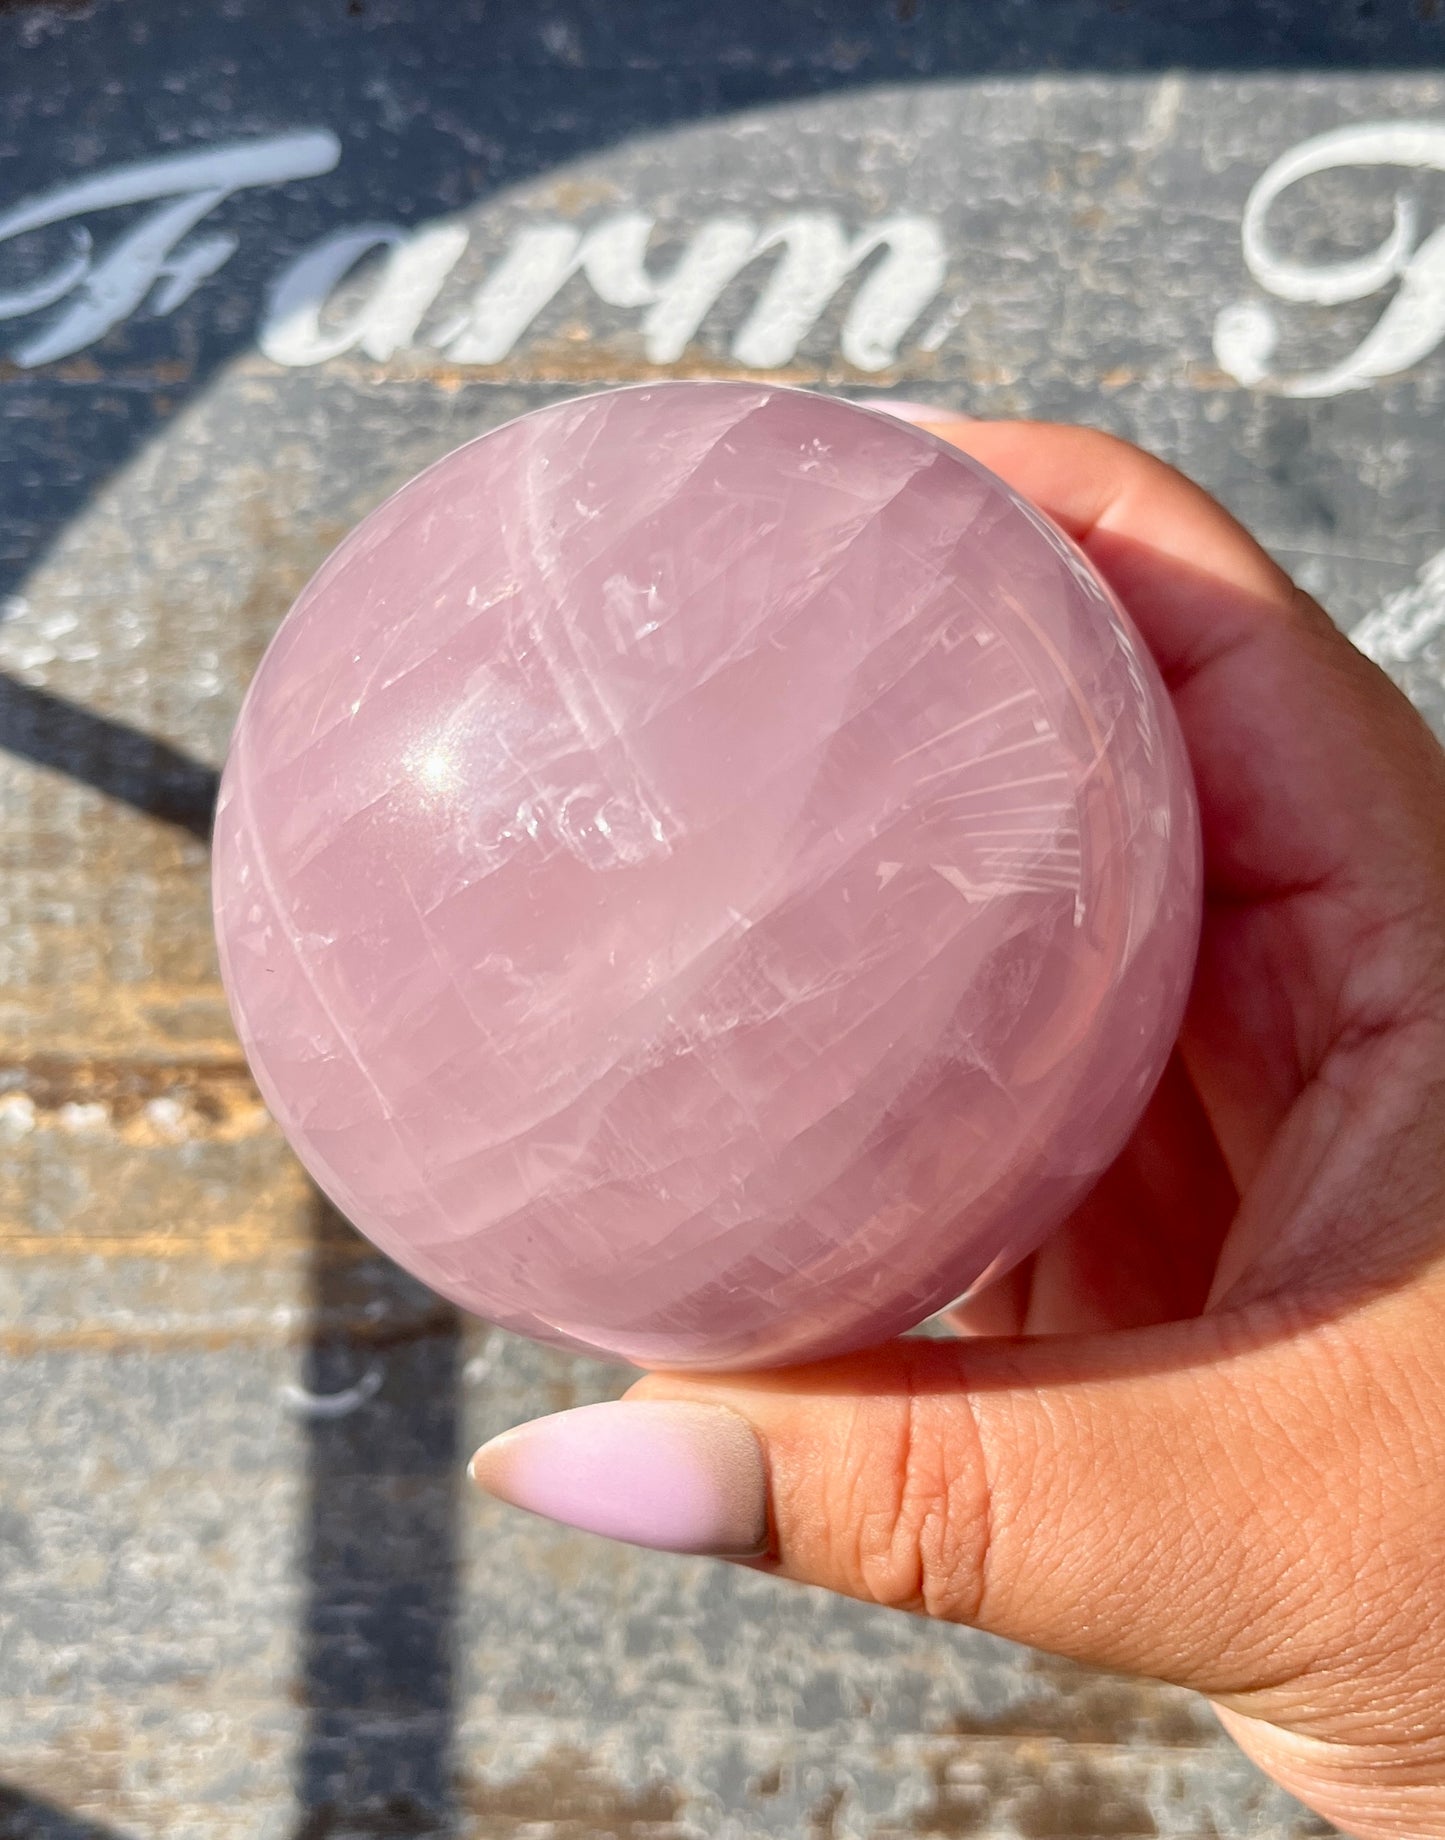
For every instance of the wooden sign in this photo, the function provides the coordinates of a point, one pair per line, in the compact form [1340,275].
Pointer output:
[257,266]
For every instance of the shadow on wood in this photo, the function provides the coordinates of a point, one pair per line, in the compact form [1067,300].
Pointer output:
[376,1674]
[116,759]
[24,1817]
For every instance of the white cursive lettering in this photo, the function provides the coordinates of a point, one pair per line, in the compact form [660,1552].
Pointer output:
[1412,325]
[146,258]
[540,261]
[386,323]
[1401,627]
[320,306]
[816,259]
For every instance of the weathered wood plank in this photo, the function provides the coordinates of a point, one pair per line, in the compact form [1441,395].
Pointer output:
[244,1589]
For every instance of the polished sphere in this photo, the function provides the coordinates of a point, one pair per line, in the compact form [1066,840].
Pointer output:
[706,873]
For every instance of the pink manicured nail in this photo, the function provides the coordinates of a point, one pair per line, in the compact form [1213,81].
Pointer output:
[680,1477]
[927,413]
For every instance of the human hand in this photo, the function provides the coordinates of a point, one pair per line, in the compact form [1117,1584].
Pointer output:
[1200,1435]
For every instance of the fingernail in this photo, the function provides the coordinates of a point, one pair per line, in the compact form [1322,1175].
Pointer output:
[926,413]
[680,1477]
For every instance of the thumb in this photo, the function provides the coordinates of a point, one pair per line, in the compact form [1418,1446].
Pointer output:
[1140,1501]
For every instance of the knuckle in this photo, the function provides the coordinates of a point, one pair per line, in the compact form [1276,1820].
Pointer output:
[908,1506]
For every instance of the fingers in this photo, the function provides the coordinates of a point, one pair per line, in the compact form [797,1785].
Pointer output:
[1176,1502]
[1169,1502]
[1191,576]
[1314,1036]
[1249,1511]
[1297,740]
[1106,1515]
[1320,787]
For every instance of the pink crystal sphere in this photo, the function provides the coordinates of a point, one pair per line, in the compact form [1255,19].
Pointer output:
[706,873]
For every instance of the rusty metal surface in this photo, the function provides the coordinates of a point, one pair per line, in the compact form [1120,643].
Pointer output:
[243,1591]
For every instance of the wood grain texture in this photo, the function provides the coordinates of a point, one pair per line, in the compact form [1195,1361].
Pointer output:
[244,1593]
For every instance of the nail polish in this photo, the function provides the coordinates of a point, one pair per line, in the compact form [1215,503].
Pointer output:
[668,1474]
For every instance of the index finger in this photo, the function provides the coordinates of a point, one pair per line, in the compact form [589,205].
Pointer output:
[1192,577]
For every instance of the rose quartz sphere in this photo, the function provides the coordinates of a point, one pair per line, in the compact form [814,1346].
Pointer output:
[706,873]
